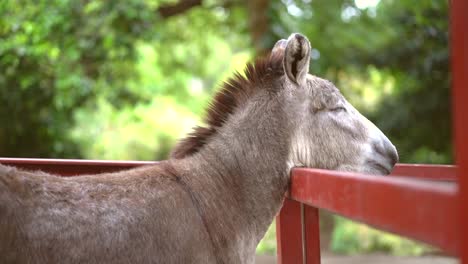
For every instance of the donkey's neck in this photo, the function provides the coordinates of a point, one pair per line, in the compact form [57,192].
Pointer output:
[241,175]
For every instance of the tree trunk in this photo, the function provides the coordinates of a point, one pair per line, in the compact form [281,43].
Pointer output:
[259,25]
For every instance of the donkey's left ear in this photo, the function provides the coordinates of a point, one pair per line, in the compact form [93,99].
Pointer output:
[296,58]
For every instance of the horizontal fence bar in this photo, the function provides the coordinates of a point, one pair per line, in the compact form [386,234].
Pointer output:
[419,209]
[426,171]
[71,167]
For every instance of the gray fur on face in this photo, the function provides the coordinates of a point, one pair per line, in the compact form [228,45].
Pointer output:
[328,132]
[214,200]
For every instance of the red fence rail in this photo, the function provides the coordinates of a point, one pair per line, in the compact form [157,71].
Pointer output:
[418,209]
[424,207]
[71,167]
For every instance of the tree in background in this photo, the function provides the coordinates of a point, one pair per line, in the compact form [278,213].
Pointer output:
[67,64]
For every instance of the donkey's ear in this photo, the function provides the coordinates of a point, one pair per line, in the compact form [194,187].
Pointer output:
[278,50]
[279,47]
[296,58]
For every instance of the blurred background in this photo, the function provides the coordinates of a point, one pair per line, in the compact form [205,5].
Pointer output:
[125,79]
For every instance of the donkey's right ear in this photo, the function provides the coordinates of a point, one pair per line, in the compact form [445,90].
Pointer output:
[296,58]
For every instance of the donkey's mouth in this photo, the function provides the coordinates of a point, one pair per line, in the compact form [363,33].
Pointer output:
[379,167]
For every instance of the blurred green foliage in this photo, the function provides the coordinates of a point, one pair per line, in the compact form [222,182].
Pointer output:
[268,245]
[72,68]
[123,79]
[354,238]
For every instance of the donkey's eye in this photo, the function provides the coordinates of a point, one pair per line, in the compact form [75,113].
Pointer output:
[338,109]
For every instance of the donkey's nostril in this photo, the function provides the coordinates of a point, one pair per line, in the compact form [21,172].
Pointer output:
[392,153]
[388,151]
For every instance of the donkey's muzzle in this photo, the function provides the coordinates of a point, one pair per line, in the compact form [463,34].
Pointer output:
[387,154]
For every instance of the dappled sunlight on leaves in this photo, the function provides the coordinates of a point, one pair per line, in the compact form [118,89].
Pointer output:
[354,238]
[107,133]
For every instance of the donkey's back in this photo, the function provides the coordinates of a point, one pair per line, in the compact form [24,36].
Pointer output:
[137,216]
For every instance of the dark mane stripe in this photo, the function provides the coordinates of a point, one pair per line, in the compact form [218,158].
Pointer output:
[233,93]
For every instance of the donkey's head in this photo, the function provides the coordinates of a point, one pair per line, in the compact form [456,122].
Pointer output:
[322,129]
[328,132]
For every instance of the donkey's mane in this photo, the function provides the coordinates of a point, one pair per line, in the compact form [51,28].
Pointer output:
[232,94]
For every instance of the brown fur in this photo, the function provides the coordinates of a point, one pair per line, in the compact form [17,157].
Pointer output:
[233,93]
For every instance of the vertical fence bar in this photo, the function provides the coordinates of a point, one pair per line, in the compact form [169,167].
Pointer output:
[459,52]
[312,234]
[289,233]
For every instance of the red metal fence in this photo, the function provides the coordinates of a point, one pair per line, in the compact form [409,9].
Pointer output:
[423,207]
[459,52]
[424,202]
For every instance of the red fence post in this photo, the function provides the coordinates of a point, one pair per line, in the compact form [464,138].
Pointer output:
[312,234]
[459,30]
[289,233]
[298,233]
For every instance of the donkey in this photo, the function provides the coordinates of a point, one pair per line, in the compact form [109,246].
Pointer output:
[214,199]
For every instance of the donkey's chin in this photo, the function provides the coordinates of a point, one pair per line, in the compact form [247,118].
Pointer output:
[367,168]
[377,168]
